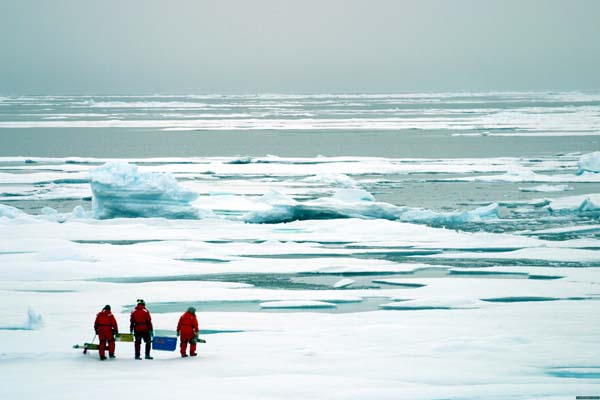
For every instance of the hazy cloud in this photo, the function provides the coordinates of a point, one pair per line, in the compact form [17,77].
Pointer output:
[229,46]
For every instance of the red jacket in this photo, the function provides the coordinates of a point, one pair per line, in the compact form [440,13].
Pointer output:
[140,320]
[188,324]
[105,324]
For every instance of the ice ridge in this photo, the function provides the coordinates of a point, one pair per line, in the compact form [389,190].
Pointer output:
[357,203]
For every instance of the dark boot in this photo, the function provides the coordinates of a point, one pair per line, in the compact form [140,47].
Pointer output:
[137,346]
[149,357]
[148,347]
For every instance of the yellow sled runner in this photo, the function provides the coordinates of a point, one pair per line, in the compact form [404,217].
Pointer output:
[121,337]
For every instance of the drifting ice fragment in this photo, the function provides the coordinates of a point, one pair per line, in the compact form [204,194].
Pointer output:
[589,163]
[352,195]
[332,179]
[79,212]
[121,190]
[34,321]
[343,283]
[589,203]
[53,215]
[546,188]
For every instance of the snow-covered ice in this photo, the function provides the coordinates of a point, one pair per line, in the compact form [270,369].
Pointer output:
[343,295]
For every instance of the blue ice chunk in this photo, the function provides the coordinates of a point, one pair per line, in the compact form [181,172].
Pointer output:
[356,203]
[121,190]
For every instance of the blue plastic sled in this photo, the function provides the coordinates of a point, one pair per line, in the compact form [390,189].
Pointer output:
[164,343]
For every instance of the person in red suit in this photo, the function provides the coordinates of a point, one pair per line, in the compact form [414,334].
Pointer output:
[187,329]
[141,327]
[106,328]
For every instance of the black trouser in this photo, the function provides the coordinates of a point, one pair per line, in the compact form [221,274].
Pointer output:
[138,342]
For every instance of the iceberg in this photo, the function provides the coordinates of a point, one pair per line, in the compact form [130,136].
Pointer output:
[120,189]
[358,203]
[589,163]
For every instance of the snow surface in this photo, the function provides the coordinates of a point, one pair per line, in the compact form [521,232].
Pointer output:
[448,332]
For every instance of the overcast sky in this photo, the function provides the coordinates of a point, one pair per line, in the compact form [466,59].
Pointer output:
[304,46]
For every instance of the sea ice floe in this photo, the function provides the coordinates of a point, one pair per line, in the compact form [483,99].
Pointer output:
[546,188]
[577,229]
[340,180]
[534,253]
[399,282]
[342,283]
[121,190]
[43,177]
[528,299]
[523,175]
[352,196]
[297,304]
[47,192]
[589,203]
[432,304]
[589,163]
